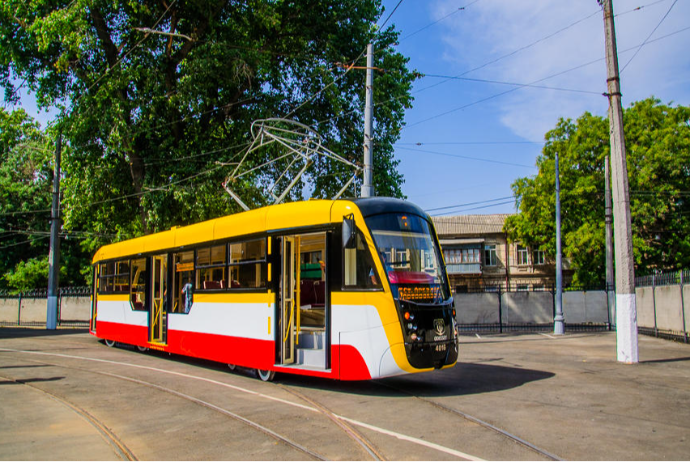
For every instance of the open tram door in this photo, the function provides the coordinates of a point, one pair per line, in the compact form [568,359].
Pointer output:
[158,320]
[288,293]
[304,301]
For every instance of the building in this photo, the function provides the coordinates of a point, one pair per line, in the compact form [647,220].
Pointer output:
[479,257]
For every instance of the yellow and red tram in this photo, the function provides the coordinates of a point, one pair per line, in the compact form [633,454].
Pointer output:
[343,289]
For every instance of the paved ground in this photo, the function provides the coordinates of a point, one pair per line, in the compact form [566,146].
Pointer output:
[66,396]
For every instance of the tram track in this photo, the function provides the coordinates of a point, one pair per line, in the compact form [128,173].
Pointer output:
[108,435]
[312,406]
[475,420]
[124,450]
[355,435]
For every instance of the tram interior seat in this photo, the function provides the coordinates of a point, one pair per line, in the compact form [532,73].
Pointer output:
[312,302]
[214,284]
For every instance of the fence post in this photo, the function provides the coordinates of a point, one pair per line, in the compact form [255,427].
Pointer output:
[19,311]
[59,308]
[656,329]
[682,305]
[608,308]
[500,312]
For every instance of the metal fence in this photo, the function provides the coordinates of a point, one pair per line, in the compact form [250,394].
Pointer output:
[663,279]
[29,309]
[495,309]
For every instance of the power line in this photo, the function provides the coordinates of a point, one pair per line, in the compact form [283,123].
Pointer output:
[459,156]
[462,8]
[389,16]
[420,143]
[488,63]
[469,203]
[572,90]
[648,37]
[480,207]
[532,83]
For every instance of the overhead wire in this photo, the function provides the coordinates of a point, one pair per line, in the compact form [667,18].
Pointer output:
[459,156]
[389,16]
[462,8]
[648,37]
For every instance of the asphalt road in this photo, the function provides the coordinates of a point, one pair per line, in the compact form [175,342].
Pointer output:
[66,396]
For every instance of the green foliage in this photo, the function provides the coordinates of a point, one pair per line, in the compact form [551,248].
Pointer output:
[28,275]
[26,179]
[150,116]
[658,156]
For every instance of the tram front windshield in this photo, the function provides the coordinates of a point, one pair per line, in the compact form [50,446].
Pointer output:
[411,257]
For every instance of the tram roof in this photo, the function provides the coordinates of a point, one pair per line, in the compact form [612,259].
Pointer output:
[271,218]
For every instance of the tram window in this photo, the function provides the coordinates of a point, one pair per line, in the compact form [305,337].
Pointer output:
[248,267]
[210,267]
[114,277]
[138,292]
[183,282]
[360,271]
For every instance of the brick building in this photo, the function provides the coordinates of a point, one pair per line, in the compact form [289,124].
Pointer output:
[479,257]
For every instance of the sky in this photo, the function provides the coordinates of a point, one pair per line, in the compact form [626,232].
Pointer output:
[475,127]
[467,140]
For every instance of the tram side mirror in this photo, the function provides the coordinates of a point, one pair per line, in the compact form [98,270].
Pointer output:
[349,232]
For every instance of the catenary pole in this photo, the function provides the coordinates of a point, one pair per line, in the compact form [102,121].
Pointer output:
[54,255]
[368,183]
[626,309]
[558,320]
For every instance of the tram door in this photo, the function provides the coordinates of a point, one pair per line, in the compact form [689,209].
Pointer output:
[288,304]
[159,293]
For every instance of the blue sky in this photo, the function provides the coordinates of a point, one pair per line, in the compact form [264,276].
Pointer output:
[478,137]
[467,139]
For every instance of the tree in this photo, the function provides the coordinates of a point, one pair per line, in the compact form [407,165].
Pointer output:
[151,114]
[658,155]
[26,179]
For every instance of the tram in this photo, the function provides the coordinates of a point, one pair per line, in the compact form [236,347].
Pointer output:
[342,289]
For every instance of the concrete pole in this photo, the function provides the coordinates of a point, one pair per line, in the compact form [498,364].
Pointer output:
[558,320]
[54,255]
[368,183]
[626,309]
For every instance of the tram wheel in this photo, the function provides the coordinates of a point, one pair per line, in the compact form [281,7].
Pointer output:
[265,376]
[232,367]
[142,348]
[110,343]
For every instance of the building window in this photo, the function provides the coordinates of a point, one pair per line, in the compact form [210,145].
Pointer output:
[522,255]
[539,257]
[490,258]
[522,287]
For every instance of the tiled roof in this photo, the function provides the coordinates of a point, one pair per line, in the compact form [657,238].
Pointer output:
[469,225]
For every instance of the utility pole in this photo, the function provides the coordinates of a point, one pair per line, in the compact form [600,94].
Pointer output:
[368,183]
[626,309]
[608,216]
[54,255]
[558,320]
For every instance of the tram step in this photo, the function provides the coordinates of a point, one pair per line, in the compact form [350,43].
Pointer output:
[311,357]
[311,340]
